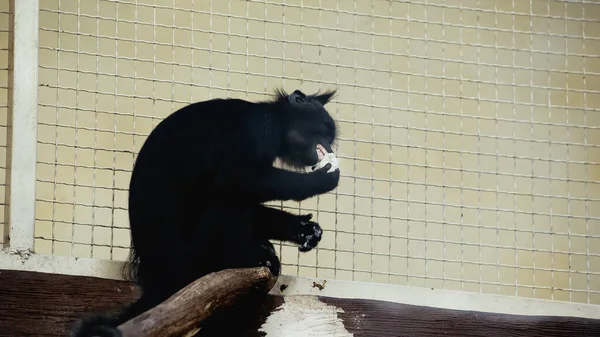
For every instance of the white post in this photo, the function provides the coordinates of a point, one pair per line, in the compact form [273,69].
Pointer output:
[23,136]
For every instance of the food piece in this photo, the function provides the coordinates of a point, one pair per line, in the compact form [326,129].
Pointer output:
[326,158]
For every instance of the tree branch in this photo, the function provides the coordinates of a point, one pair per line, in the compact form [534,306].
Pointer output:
[181,314]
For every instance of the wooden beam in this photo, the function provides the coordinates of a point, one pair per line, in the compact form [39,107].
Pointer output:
[37,304]
[185,310]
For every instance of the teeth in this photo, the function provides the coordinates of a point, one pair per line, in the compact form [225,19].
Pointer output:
[321,151]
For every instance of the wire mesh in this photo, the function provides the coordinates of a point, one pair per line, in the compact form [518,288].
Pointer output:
[470,130]
[5,66]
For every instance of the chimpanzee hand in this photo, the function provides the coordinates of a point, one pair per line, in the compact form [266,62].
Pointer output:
[323,181]
[307,233]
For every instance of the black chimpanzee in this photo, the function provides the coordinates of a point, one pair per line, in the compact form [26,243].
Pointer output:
[197,188]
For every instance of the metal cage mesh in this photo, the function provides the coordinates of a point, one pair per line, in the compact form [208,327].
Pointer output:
[5,75]
[470,130]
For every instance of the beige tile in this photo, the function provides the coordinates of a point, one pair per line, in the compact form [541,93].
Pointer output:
[454,160]
[120,254]
[80,250]
[101,252]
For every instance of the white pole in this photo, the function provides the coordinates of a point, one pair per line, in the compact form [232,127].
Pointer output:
[22,165]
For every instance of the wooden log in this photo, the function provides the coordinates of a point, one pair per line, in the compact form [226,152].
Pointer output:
[46,305]
[181,314]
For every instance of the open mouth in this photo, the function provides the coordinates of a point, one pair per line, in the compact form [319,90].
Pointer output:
[324,156]
[321,151]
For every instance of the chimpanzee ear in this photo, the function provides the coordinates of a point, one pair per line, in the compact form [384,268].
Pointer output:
[325,97]
[297,97]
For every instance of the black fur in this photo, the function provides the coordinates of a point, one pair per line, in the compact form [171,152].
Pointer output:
[197,188]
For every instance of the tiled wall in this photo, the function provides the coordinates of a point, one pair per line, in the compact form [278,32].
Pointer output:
[470,130]
[5,27]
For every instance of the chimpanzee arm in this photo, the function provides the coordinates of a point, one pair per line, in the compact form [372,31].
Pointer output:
[272,223]
[282,185]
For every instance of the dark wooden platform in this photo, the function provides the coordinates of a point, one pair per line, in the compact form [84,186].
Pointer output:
[39,304]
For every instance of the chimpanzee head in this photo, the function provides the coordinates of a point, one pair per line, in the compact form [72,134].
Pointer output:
[307,123]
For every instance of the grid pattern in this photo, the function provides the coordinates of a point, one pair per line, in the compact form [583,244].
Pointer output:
[5,65]
[435,98]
